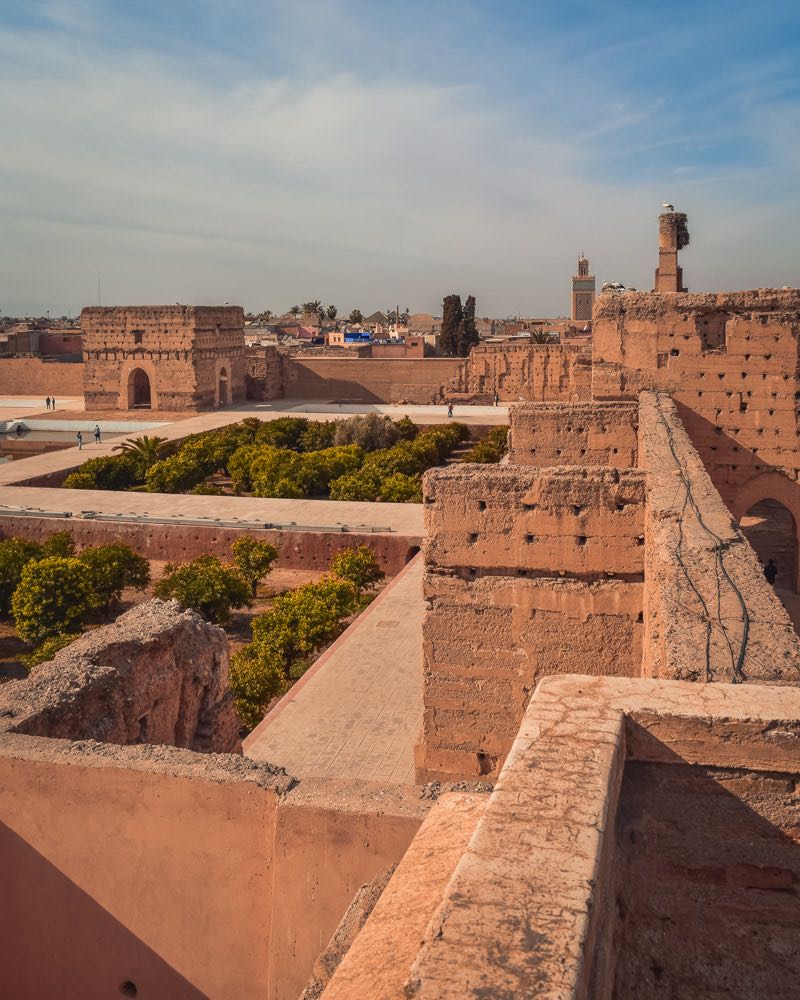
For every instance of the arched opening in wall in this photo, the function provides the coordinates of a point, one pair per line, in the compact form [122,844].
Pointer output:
[770,529]
[139,389]
[223,387]
[413,551]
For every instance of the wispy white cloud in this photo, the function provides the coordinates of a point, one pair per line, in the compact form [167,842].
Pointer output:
[279,183]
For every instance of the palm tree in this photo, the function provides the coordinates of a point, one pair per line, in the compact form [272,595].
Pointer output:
[540,337]
[295,310]
[330,312]
[146,450]
[356,316]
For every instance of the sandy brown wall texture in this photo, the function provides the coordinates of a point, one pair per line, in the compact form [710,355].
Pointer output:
[709,613]
[34,377]
[376,380]
[547,434]
[180,543]
[180,348]
[731,362]
[535,372]
[529,572]
[157,675]
[184,875]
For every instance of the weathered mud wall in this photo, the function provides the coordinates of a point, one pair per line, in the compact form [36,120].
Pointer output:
[529,572]
[157,675]
[35,377]
[709,613]
[707,869]
[731,361]
[183,350]
[180,543]
[534,372]
[202,876]
[548,434]
[373,380]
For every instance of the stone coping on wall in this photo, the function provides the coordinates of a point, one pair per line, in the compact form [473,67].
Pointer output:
[529,907]
[705,587]
[654,305]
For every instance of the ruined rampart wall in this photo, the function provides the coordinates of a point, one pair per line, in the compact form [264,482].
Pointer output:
[376,380]
[35,377]
[731,361]
[157,675]
[179,543]
[548,434]
[182,350]
[535,372]
[709,613]
[264,378]
[639,842]
[202,876]
[529,572]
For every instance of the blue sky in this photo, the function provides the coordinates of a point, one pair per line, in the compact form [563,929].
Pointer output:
[367,153]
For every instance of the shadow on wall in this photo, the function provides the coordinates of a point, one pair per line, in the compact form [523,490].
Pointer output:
[690,893]
[89,952]
[744,480]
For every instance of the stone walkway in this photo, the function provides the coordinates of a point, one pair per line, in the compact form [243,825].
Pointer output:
[398,518]
[357,711]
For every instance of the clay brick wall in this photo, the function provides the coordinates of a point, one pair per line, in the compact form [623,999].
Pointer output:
[706,868]
[378,380]
[529,572]
[731,361]
[181,348]
[202,876]
[60,343]
[35,377]
[180,543]
[495,520]
[264,379]
[548,434]
[534,372]
[709,613]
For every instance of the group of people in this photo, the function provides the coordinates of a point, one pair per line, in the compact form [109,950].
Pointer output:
[50,403]
[97,434]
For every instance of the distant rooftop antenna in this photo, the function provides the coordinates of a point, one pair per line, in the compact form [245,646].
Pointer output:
[98,290]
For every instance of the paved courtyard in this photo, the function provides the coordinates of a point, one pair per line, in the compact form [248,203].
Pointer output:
[357,711]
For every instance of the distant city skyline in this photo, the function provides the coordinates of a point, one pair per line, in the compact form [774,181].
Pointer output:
[366,153]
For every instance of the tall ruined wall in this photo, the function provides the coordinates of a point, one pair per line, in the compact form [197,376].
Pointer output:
[731,361]
[546,434]
[709,613]
[35,377]
[377,380]
[182,349]
[157,675]
[529,572]
[535,372]
[264,379]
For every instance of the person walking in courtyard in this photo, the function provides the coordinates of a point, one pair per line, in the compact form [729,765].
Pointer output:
[53,403]
[771,572]
[80,441]
[47,402]
[97,433]
[496,398]
[449,409]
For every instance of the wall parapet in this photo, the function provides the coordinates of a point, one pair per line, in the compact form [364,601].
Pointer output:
[709,612]
[548,434]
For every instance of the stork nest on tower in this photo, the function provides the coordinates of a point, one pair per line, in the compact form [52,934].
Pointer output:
[681,230]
